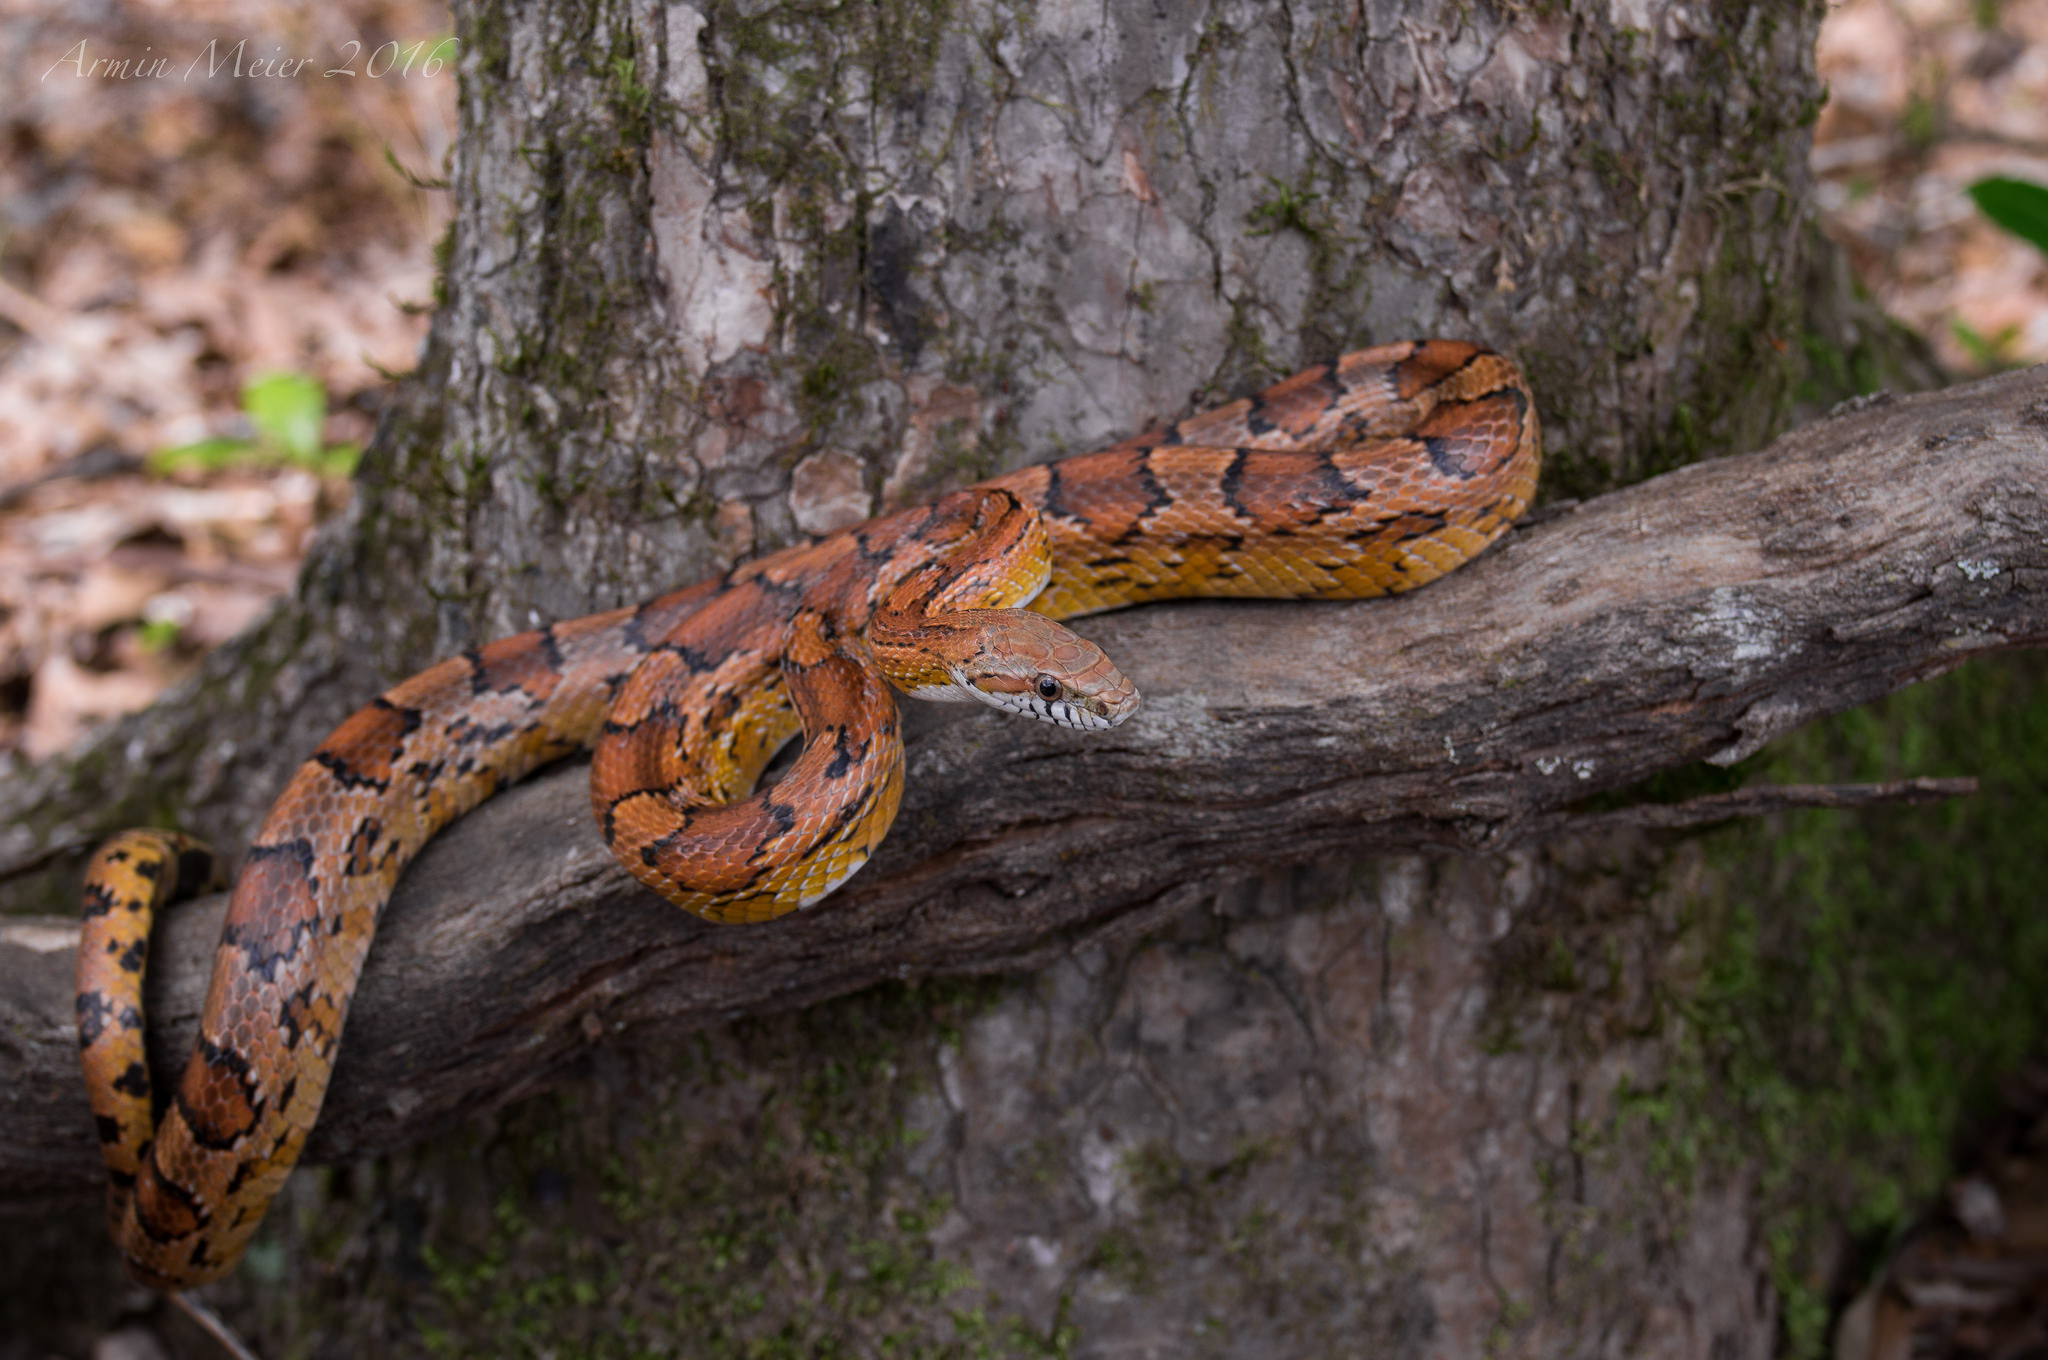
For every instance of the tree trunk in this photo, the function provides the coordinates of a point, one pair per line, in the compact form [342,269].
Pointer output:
[720,277]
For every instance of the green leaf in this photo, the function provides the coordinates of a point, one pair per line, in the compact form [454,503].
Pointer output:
[2017,205]
[338,460]
[157,635]
[287,409]
[1989,353]
[207,455]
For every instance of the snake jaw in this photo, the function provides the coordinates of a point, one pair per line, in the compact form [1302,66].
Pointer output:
[1026,663]
[1046,673]
[1083,710]
[1012,659]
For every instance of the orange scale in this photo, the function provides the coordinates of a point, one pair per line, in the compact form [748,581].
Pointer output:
[1462,542]
[1441,556]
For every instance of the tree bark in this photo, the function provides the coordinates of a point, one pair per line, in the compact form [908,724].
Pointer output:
[1691,617]
[723,273]
[732,275]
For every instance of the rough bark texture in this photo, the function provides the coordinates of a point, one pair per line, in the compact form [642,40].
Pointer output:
[1692,616]
[721,273]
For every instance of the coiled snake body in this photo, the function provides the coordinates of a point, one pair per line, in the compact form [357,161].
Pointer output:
[1370,475]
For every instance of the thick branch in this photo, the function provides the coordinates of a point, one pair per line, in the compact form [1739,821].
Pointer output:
[1692,617]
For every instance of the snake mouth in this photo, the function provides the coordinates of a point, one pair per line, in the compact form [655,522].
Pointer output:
[1090,713]
[1063,713]
[1083,718]
[1123,707]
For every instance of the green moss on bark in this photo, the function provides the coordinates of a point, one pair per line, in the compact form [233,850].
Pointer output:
[1862,980]
[702,1207]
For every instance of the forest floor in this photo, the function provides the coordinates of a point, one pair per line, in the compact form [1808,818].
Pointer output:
[206,284]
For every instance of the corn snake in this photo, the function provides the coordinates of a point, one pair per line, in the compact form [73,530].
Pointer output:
[1367,476]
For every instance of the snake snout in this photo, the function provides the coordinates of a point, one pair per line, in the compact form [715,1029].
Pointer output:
[1095,696]
[1118,704]
[1030,665]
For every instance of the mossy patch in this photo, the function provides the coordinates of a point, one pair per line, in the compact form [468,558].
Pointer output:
[1864,978]
[639,1222]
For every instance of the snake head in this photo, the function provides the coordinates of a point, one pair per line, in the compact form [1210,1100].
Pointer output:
[1028,664]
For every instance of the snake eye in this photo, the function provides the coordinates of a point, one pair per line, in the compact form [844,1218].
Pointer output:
[1048,687]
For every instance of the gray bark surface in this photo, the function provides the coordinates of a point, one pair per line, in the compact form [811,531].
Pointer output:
[1690,617]
[723,273]
[719,275]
